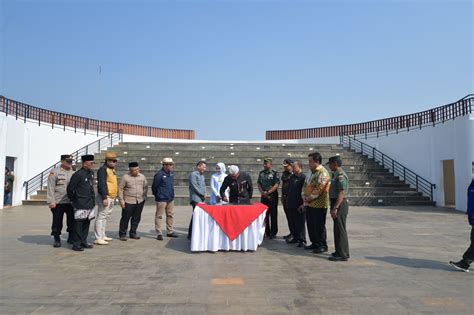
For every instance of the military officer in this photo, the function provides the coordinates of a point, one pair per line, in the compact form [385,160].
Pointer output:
[58,200]
[338,192]
[285,184]
[268,182]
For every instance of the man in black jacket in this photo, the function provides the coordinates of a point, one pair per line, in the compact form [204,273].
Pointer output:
[107,190]
[80,191]
[240,186]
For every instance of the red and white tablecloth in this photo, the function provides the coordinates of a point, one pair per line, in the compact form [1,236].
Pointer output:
[228,227]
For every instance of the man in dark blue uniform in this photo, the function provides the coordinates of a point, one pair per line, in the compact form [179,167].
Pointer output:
[468,256]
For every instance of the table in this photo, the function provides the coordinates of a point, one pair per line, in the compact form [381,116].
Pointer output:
[228,227]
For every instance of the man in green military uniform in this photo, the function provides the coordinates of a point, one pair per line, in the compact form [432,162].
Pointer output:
[338,193]
[268,182]
[58,200]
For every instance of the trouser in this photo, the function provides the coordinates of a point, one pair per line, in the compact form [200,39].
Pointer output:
[287,213]
[103,215]
[81,231]
[341,242]
[316,221]
[469,254]
[58,215]
[297,228]
[131,211]
[271,218]
[7,198]
[161,208]
[190,229]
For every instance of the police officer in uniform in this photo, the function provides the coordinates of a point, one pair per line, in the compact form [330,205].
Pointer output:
[338,192]
[81,193]
[285,184]
[58,200]
[268,182]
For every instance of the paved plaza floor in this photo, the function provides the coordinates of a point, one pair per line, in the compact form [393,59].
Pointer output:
[398,265]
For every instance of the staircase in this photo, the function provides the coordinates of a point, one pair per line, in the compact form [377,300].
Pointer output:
[370,183]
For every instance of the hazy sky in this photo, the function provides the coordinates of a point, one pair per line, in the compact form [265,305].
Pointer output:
[233,69]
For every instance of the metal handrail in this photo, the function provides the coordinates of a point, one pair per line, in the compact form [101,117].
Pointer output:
[40,115]
[41,180]
[430,117]
[418,182]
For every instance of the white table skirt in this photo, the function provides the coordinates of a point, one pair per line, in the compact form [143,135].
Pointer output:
[208,236]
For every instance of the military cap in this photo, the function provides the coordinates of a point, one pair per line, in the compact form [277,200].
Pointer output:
[268,160]
[287,162]
[133,164]
[88,157]
[67,157]
[335,159]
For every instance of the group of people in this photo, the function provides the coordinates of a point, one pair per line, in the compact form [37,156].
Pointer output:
[305,199]
[72,193]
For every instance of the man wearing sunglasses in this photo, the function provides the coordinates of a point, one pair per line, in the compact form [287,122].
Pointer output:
[107,190]
[58,200]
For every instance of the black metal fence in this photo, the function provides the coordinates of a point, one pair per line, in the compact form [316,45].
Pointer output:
[41,180]
[408,176]
[431,117]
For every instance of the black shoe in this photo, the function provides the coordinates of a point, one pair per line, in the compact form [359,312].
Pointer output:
[337,258]
[135,237]
[87,245]
[312,246]
[78,248]
[123,238]
[320,250]
[159,237]
[57,241]
[292,241]
[301,244]
[460,265]
[173,235]
[287,236]
[336,255]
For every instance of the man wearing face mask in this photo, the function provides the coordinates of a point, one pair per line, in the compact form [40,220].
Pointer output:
[240,187]
[216,182]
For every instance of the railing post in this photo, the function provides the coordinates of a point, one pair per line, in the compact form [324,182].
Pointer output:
[26,190]
[41,187]
[404,174]
[99,144]
[416,182]
[373,153]
[383,160]
[350,143]
[393,167]
[431,188]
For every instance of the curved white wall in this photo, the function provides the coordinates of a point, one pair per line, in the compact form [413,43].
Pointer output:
[423,150]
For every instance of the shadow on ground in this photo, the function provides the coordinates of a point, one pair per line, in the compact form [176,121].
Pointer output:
[412,262]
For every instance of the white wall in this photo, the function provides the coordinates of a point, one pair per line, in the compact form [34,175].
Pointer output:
[423,150]
[35,148]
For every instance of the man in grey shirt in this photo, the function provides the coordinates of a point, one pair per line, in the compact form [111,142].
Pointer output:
[197,189]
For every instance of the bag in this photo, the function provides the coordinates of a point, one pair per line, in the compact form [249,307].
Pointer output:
[81,214]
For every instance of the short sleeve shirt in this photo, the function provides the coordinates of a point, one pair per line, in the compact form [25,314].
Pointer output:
[339,182]
[267,179]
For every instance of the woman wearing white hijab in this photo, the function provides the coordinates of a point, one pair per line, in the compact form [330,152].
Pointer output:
[216,182]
